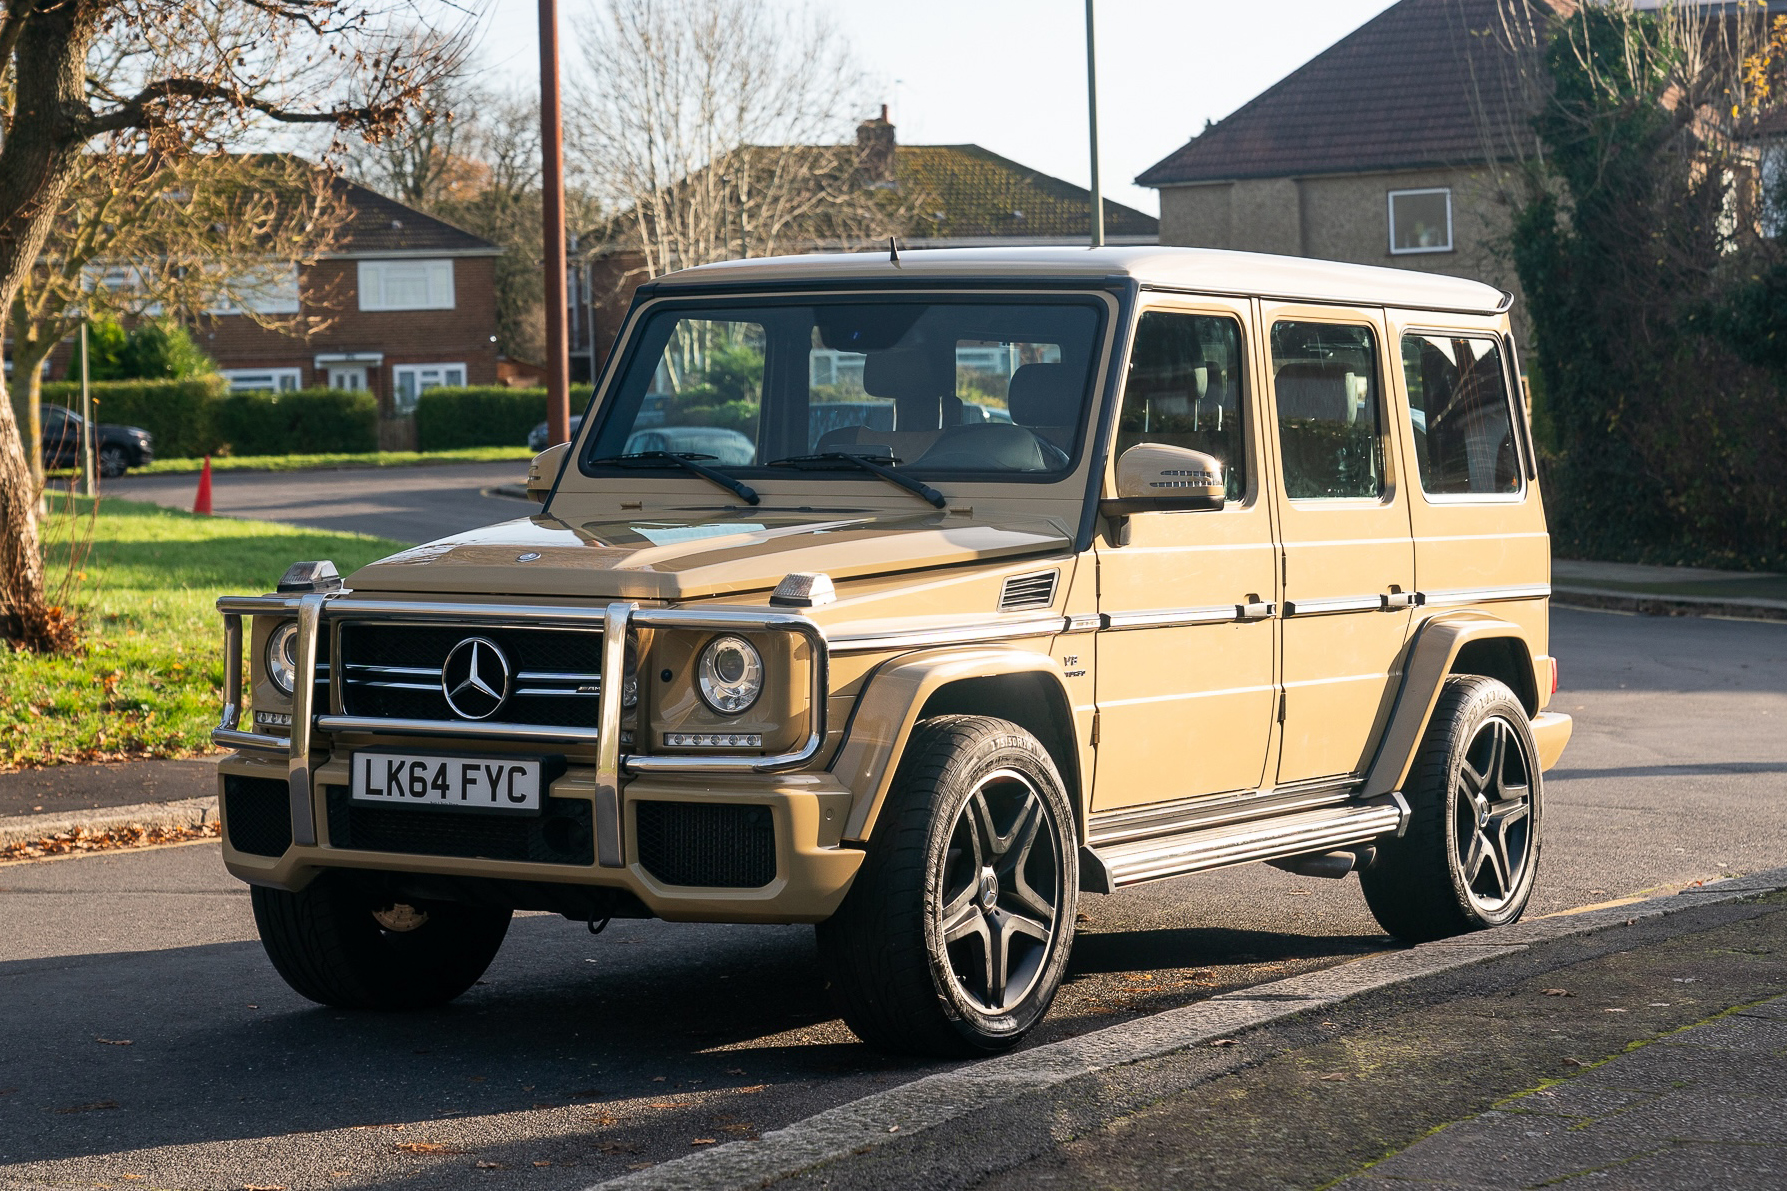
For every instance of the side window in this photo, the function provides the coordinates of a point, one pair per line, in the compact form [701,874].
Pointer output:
[1462,417]
[1185,390]
[1329,429]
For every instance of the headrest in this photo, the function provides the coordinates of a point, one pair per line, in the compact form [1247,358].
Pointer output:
[1313,390]
[908,372]
[1044,395]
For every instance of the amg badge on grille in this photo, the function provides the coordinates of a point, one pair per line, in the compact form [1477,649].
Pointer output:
[475,678]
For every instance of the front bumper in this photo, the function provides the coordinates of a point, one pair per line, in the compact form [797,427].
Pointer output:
[811,873]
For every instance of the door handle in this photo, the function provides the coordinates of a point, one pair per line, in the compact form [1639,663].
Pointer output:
[1258,610]
[1395,601]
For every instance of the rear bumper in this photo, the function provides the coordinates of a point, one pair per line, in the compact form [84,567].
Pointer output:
[812,867]
[1551,730]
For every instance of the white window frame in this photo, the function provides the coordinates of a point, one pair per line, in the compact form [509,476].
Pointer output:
[283,380]
[404,403]
[1390,213]
[272,290]
[376,283]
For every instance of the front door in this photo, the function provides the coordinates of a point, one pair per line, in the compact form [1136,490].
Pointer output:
[1349,564]
[1185,656]
[353,378]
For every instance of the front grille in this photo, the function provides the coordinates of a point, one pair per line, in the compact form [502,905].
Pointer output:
[393,671]
[257,813]
[561,834]
[1028,591]
[708,844]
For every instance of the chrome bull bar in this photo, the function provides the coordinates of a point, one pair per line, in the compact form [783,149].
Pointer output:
[315,612]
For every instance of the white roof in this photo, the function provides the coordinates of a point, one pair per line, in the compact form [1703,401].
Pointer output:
[1203,270]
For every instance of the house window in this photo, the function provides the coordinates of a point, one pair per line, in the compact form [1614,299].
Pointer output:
[273,290]
[406,285]
[1420,221]
[410,381]
[263,380]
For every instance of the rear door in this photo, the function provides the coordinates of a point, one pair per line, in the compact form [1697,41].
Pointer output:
[1348,564]
[1185,679]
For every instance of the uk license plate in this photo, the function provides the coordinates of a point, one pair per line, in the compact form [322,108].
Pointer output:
[454,782]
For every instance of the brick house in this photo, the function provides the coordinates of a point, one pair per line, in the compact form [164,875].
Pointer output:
[410,305]
[957,196]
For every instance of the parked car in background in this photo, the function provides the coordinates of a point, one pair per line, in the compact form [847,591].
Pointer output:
[116,449]
[540,437]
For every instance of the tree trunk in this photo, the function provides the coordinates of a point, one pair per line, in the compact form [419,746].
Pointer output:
[37,163]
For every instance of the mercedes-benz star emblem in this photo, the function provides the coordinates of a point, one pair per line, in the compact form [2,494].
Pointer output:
[475,678]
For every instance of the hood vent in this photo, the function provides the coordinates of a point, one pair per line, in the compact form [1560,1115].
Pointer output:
[1029,591]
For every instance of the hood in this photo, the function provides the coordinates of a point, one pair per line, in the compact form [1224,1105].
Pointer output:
[704,554]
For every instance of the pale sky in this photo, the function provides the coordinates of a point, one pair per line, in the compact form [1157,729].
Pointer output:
[1010,74]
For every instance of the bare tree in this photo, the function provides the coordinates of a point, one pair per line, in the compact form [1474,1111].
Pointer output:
[719,129]
[140,235]
[188,75]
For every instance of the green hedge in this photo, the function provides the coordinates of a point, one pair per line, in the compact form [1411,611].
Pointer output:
[307,422]
[480,416]
[200,417]
[176,412]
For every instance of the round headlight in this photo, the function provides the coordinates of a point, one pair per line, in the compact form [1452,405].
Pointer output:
[730,675]
[282,656]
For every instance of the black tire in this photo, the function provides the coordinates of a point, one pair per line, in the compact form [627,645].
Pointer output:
[977,829]
[1471,852]
[328,945]
[113,461]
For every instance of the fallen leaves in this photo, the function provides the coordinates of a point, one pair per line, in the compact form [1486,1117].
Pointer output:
[114,1041]
[1557,992]
[704,1141]
[1225,1042]
[81,840]
[426,1147]
[1336,1076]
[96,1106]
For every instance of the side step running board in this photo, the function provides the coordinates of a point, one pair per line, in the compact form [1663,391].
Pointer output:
[1311,831]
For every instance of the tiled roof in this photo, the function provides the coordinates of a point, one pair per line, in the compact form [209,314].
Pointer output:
[967,192]
[378,224]
[1396,93]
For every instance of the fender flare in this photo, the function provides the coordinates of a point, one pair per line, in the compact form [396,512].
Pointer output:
[1436,646]
[887,710]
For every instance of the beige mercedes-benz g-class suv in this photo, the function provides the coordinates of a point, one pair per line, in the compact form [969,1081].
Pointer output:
[953,585]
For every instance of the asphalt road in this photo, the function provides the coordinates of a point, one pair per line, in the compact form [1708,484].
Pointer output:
[410,504]
[144,1033]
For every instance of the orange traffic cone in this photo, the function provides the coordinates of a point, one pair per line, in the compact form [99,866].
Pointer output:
[202,503]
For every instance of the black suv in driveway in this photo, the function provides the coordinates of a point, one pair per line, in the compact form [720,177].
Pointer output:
[116,448]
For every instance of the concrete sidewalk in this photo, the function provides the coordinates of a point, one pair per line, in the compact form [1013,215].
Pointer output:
[1668,591]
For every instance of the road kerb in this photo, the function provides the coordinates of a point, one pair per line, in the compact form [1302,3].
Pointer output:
[1673,604]
[861,1125]
[149,816]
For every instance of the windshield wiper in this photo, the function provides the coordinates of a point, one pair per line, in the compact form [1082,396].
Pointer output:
[917,487]
[686,461]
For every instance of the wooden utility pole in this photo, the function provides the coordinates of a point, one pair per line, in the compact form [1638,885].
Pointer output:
[552,186]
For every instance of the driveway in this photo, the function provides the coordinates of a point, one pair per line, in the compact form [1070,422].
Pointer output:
[410,504]
[146,1034]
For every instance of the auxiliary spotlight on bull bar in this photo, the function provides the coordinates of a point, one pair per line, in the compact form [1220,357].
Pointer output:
[316,613]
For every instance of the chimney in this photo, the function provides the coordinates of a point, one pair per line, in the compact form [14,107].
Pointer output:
[875,150]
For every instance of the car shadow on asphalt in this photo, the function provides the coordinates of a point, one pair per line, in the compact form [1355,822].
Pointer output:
[1205,947]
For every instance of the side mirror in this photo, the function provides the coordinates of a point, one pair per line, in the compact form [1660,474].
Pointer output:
[1156,478]
[543,471]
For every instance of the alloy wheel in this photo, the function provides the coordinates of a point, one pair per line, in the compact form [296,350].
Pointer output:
[1002,885]
[1493,820]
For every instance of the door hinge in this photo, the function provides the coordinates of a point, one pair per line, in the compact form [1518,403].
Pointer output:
[1095,727]
[1281,699]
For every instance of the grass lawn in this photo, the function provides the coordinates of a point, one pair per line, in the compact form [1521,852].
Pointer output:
[148,678]
[299,462]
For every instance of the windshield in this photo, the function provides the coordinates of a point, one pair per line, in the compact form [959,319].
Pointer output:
[954,388]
